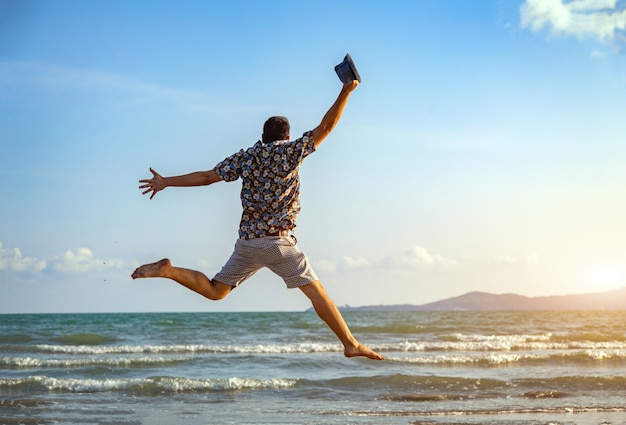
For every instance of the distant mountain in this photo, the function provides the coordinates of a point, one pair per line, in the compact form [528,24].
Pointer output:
[610,300]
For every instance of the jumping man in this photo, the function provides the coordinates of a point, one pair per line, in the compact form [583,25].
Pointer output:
[270,194]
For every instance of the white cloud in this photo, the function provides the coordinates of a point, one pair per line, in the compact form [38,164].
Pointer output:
[598,54]
[12,259]
[83,261]
[580,18]
[525,260]
[416,257]
[352,264]
[344,264]
[419,258]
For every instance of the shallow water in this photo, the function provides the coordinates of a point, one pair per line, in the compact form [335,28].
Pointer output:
[279,368]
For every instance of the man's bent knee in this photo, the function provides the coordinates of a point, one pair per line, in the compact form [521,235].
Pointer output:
[220,290]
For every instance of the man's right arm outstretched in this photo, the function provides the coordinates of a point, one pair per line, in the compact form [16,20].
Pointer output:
[157,183]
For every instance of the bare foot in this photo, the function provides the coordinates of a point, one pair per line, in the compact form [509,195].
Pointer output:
[158,269]
[362,351]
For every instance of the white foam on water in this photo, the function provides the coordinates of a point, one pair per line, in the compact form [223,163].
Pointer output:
[166,384]
[190,348]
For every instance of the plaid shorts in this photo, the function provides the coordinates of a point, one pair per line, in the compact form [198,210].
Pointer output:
[278,253]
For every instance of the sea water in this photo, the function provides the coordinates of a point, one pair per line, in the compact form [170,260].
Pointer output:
[288,368]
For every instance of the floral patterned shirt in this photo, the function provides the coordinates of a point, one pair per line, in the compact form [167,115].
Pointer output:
[270,190]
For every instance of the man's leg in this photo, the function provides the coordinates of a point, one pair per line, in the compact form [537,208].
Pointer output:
[329,313]
[194,280]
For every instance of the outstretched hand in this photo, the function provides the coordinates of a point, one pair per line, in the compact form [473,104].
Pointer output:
[154,185]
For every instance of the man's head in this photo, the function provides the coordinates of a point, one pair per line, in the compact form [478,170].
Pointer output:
[275,128]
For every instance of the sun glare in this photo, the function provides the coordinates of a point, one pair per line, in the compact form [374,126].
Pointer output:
[606,277]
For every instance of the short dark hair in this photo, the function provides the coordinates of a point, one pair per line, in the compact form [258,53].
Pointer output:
[276,128]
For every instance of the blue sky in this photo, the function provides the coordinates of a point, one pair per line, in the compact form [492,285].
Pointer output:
[484,149]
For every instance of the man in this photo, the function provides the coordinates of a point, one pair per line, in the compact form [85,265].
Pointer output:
[270,200]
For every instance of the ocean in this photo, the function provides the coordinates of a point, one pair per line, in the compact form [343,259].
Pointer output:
[287,368]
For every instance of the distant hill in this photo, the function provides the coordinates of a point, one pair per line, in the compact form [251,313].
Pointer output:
[481,301]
